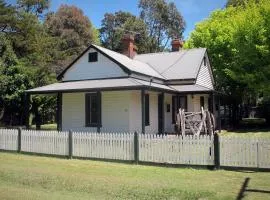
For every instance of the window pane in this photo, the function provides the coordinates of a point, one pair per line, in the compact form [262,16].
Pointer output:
[92,57]
[93,109]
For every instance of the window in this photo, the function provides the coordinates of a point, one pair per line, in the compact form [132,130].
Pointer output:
[147,113]
[204,61]
[202,101]
[93,57]
[93,109]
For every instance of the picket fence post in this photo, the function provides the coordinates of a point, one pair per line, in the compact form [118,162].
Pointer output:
[136,148]
[216,151]
[70,145]
[19,139]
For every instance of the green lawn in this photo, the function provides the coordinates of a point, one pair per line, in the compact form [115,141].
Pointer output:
[46,127]
[247,133]
[33,177]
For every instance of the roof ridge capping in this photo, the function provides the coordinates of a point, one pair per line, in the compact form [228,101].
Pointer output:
[169,52]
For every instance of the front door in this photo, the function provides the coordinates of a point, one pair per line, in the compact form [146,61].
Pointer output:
[178,102]
[160,113]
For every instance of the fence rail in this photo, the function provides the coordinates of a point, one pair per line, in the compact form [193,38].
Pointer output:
[188,150]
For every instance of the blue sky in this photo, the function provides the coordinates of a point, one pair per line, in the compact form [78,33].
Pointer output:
[193,11]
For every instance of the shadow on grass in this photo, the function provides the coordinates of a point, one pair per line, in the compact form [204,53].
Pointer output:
[243,191]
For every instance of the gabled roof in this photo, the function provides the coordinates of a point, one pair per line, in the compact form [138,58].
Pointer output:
[127,64]
[184,64]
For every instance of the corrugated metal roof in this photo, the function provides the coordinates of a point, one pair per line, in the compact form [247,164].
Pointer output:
[131,64]
[97,84]
[184,64]
[111,84]
[191,88]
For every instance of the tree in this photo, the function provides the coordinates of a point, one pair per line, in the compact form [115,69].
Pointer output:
[238,43]
[36,7]
[236,3]
[72,31]
[25,54]
[164,22]
[114,25]
[7,20]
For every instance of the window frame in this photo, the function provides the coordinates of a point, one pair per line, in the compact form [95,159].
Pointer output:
[88,122]
[93,57]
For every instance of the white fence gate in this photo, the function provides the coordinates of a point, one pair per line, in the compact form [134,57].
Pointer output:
[118,146]
[189,150]
[245,152]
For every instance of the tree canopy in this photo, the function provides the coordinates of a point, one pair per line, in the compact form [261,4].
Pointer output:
[72,31]
[238,43]
[114,25]
[158,23]
[30,50]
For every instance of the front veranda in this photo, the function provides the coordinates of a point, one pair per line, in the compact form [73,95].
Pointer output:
[142,110]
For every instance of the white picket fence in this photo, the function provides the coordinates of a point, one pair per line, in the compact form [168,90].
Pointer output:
[45,142]
[189,150]
[245,152]
[9,139]
[119,146]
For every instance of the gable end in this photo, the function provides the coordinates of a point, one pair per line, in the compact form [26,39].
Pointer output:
[205,75]
[125,69]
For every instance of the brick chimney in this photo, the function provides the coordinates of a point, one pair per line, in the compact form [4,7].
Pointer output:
[128,46]
[177,44]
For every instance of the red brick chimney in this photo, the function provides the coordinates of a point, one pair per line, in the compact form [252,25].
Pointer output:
[177,44]
[128,46]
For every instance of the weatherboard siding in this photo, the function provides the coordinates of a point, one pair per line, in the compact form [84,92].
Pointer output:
[153,112]
[135,111]
[204,77]
[103,68]
[73,112]
[194,102]
[115,112]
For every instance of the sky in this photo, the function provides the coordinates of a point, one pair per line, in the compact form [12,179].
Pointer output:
[193,11]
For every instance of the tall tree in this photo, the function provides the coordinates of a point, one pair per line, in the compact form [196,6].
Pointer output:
[164,22]
[238,42]
[36,7]
[114,25]
[25,52]
[72,31]
[236,3]
[7,20]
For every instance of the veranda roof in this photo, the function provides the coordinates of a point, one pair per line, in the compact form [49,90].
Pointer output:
[115,84]
[191,88]
[104,84]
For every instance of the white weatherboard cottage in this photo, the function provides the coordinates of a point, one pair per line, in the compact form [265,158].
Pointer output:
[105,91]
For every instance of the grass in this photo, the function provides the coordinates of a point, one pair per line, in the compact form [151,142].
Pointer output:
[247,133]
[33,177]
[46,127]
